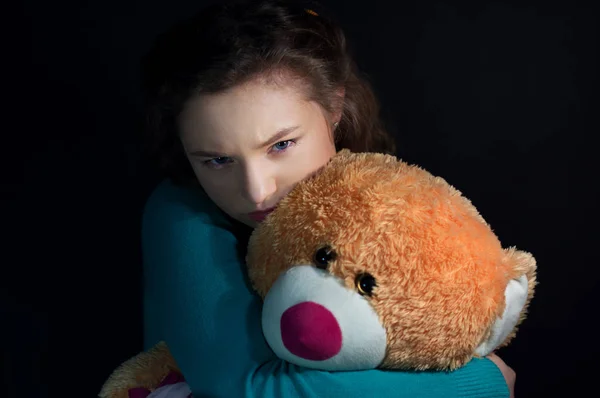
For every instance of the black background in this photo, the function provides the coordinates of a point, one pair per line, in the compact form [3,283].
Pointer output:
[497,97]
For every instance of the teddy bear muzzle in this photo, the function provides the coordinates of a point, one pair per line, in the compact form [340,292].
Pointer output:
[310,318]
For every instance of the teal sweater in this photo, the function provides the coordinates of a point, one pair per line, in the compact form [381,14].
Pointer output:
[197,299]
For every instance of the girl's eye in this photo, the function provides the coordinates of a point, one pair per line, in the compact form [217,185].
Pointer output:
[220,162]
[217,162]
[283,145]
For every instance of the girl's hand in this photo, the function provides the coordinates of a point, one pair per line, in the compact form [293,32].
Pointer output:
[509,374]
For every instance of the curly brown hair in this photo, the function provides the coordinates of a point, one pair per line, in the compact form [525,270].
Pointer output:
[229,44]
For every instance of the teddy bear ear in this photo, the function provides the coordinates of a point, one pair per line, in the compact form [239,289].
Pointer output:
[515,295]
[521,267]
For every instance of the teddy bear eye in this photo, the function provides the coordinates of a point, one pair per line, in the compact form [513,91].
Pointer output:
[365,283]
[324,256]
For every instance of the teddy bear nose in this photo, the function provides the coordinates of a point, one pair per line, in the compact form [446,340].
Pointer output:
[310,331]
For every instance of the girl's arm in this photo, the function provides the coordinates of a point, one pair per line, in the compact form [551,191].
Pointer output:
[198,301]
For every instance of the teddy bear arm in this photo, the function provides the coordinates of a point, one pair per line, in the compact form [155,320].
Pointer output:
[145,370]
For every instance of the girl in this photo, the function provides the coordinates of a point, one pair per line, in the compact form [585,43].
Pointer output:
[245,100]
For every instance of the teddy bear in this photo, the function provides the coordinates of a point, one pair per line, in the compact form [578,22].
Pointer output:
[375,263]
[371,263]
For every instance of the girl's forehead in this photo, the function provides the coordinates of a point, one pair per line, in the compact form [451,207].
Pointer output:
[250,112]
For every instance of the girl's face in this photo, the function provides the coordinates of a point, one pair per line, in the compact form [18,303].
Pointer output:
[250,145]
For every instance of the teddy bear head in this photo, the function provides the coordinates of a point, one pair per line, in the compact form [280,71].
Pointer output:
[372,262]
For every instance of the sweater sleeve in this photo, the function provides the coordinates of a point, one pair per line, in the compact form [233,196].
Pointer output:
[197,300]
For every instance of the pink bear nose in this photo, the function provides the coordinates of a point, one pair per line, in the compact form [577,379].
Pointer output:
[310,331]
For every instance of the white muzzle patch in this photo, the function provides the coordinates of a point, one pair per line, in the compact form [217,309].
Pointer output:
[310,318]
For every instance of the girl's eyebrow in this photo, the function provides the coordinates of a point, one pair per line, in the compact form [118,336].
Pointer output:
[207,154]
[271,141]
[278,136]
